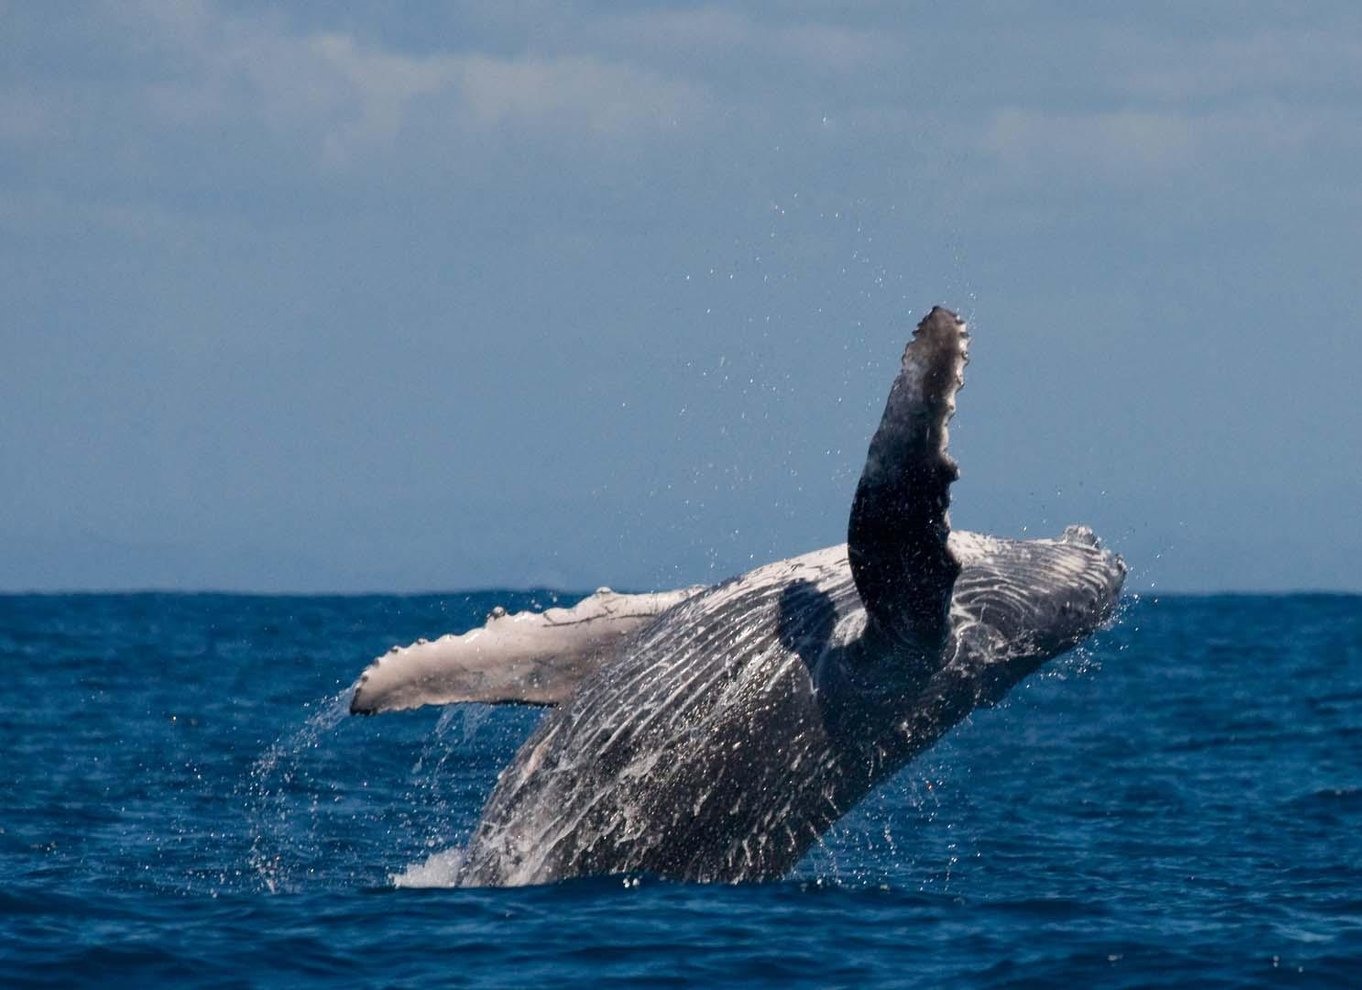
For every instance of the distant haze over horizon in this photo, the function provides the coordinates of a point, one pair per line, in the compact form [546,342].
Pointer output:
[367,298]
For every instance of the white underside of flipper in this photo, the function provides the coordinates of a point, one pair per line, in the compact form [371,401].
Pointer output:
[526,657]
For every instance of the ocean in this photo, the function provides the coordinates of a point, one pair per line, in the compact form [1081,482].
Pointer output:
[186,803]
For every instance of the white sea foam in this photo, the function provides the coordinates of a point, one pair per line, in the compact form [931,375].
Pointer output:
[438,870]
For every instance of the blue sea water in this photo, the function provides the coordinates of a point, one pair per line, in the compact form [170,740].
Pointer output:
[185,803]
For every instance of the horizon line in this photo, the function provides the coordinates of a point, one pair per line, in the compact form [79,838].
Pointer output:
[1154,593]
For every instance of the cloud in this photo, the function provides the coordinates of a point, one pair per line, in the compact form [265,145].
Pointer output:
[345,96]
[1283,63]
[1166,106]
[574,92]
[204,91]
[706,32]
[1112,141]
[1125,148]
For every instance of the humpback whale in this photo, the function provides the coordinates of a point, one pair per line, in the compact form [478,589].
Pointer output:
[715,733]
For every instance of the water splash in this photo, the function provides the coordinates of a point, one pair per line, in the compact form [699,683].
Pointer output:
[875,846]
[468,719]
[454,736]
[276,784]
[438,870]
[341,807]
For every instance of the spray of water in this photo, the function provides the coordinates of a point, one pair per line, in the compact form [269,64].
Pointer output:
[316,819]
[276,782]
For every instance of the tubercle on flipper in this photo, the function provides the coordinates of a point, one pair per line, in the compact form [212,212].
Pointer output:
[954,337]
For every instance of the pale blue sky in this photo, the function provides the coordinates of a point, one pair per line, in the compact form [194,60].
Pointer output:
[399,297]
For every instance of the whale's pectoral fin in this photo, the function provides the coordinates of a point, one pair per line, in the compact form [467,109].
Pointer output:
[896,540]
[535,658]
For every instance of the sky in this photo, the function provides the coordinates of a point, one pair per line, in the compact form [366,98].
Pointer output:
[403,297]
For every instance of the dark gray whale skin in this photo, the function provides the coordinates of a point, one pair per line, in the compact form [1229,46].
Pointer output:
[729,734]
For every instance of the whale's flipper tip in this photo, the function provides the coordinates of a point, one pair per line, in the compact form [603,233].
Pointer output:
[361,701]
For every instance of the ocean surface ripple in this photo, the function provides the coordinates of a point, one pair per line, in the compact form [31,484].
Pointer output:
[1180,804]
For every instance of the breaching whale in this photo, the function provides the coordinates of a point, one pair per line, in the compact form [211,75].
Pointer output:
[715,733]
